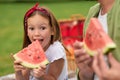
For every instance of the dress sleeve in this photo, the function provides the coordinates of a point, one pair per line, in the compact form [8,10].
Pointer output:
[55,52]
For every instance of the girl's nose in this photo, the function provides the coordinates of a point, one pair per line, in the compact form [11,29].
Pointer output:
[37,32]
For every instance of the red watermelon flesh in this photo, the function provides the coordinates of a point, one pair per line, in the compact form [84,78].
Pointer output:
[97,39]
[32,56]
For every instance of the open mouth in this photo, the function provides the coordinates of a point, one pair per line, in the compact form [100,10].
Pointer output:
[40,40]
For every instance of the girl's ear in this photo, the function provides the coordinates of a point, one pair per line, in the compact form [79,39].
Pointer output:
[52,33]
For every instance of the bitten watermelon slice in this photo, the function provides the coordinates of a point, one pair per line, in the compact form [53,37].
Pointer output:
[97,39]
[32,56]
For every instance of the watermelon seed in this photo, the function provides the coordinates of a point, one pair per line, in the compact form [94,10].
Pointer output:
[89,35]
[100,36]
[38,57]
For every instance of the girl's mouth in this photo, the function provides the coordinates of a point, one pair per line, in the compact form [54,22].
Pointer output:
[40,40]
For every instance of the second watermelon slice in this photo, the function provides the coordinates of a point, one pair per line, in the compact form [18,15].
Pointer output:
[97,39]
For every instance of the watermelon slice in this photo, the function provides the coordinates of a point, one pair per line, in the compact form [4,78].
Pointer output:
[32,56]
[97,39]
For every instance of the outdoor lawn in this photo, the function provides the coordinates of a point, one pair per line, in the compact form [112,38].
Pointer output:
[11,25]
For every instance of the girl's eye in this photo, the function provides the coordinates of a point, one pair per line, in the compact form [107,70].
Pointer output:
[31,28]
[42,28]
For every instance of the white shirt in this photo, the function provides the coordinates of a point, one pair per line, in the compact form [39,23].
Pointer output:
[103,21]
[54,52]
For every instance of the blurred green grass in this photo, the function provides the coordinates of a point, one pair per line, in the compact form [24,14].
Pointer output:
[11,25]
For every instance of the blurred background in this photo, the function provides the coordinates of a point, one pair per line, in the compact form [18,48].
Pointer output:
[11,23]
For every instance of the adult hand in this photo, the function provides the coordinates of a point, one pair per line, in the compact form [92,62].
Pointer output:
[83,61]
[102,70]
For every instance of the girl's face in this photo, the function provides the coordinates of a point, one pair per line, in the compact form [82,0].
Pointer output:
[39,29]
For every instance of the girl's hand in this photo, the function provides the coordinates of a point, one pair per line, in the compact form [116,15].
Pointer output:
[39,72]
[18,67]
[21,72]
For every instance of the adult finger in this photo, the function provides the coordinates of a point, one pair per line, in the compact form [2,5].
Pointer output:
[95,65]
[81,56]
[77,45]
[102,62]
[112,60]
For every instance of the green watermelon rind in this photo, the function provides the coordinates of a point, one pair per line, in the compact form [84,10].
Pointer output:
[106,49]
[29,65]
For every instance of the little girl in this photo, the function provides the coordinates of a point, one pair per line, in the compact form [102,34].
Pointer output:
[40,24]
